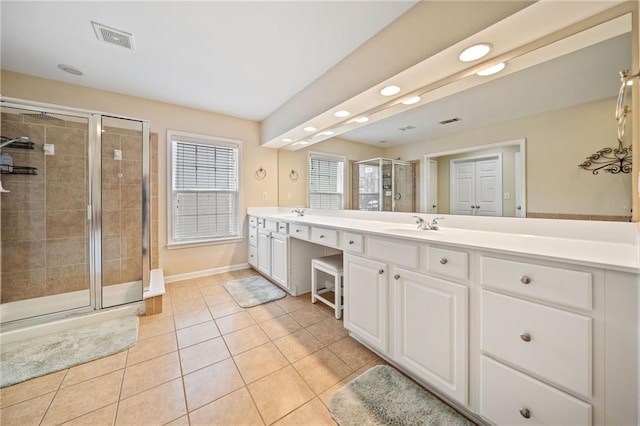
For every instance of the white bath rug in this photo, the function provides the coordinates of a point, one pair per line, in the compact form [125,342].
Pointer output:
[25,360]
[252,291]
[383,396]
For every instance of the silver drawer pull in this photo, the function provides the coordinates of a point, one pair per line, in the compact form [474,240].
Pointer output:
[524,412]
[351,242]
[444,260]
[526,337]
[282,227]
[297,230]
[381,271]
[251,255]
[396,277]
[525,279]
[321,236]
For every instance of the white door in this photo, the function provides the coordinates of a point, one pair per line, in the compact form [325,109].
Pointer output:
[431,330]
[476,186]
[432,186]
[279,264]
[520,210]
[463,187]
[264,252]
[489,187]
[366,298]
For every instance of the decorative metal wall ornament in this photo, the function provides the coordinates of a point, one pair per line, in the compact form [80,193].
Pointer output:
[261,173]
[293,175]
[614,160]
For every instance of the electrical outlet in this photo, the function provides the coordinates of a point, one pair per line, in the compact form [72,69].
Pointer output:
[117,154]
[49,149]
[265,196]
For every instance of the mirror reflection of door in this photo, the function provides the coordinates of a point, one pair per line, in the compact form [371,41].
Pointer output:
[476,186]
[432,186]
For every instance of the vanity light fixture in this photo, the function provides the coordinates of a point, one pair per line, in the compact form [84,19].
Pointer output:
[411,101]
[361,120]
[310,129]
[286,140]
[494,69]
[390,91]
[475,52]
[342,113]
[70,69]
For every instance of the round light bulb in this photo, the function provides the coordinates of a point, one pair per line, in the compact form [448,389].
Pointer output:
[411,101]
[390,90]
[342,113]
[286,140]
[362,120]
[494,69]
[310,129]
[327,133]
[475,52]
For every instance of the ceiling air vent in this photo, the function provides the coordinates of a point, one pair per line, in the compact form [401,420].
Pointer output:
[451,120]
[113,36]
[405,128]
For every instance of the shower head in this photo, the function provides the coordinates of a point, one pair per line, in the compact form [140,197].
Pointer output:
[43,116]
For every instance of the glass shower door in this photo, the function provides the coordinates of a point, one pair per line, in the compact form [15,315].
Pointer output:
[44,228]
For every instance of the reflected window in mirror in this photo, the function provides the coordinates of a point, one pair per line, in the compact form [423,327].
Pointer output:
[326,181]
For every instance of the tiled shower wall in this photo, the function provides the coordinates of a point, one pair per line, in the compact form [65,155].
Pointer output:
[43,229]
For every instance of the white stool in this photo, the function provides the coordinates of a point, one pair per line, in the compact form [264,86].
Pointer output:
[331,265]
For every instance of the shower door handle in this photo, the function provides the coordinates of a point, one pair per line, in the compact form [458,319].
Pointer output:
[89,212]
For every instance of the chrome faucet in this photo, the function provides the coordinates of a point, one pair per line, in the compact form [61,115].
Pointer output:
[426,226]
[299,212]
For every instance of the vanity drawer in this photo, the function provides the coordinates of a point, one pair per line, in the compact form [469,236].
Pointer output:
[253,221]
[283,227]
[562,286]
[450,263]
[299,231]
[253,256]
[394,251]
[353,243]
[507,396]
[327,237]
[271,225]
[552,344]
[253,236]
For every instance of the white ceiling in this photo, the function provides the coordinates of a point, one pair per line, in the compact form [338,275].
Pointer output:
[582,76]
[239,58]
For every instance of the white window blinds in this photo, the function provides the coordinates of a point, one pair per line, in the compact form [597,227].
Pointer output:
[204,188]
[326,181]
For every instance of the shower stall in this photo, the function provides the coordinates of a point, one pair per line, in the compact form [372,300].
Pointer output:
[384,185]
[74,212]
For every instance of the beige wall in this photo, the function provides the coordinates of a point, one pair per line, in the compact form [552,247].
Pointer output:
[298,161]
[556,142]
[508,177]
[165,116]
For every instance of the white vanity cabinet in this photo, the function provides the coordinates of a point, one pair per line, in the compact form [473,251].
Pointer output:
[273,256]
[253,241]
[431,330]
[366,298]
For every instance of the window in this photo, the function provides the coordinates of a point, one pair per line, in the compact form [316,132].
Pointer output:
[326,181]
[204,197]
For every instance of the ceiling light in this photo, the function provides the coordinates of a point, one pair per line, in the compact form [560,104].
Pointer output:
[342,113]
[286,140]
[475,52]
[70,69]
[411,101]
[310,129]
[389,90]
[303,143]
[327,133]
[361,120]
[494,69]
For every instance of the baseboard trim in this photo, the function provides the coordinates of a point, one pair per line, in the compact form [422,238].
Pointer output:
[205,272]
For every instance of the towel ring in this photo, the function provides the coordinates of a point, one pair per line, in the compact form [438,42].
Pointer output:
[261,173]
[293,175]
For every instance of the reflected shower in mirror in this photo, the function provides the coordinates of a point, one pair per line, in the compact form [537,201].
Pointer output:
[558,101]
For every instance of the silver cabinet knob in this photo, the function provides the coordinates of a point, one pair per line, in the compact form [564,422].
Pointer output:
[396,277]
[282,227]
[297,230]
[251,256]
[351,242]
[477,207]
[473,207]
[525,279]
[434,206]
[381,271]
[524,412]
[444,260]
[525,337]
[321,236]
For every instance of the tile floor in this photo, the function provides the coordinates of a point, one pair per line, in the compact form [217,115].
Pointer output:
[204,361]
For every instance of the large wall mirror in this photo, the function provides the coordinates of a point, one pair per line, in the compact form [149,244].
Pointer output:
[502,145]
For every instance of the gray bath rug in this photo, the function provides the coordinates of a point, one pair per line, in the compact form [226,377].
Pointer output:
[383,396]
[252,291]
[25,360]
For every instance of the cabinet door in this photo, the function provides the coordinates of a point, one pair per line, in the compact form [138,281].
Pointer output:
[431,330]
[366,299]
[264,252]
[279,259]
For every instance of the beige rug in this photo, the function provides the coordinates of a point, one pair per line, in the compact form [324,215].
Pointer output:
[383,396]
[252,291]
[25,360]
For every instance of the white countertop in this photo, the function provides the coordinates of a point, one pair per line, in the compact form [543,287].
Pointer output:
[611,245]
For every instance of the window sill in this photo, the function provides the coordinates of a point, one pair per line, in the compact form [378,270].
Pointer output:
[201,243]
